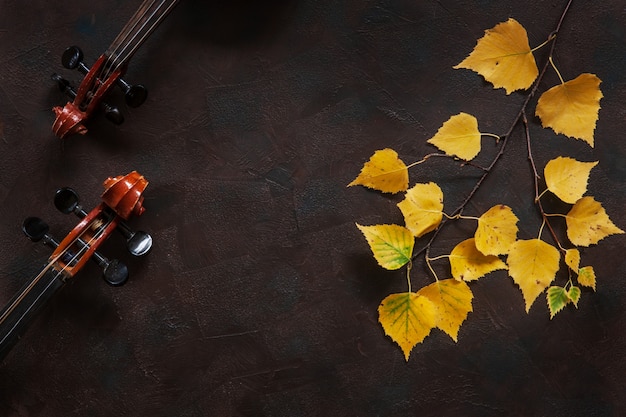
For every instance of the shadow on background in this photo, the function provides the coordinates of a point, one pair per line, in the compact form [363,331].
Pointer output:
[233,22]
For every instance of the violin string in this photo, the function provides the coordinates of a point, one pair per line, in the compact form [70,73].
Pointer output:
[143,23]
[143,33]
[52,261]
[134,25]
[46,268]
[105,69]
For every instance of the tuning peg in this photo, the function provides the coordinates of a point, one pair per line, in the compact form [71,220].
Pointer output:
[134,94]
[64,85]
[112,113]
[114,272]
[36,229]
[72,58]
[66,201]
[138,242]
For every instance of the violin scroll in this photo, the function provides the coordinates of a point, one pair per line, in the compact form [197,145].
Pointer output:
[124,194]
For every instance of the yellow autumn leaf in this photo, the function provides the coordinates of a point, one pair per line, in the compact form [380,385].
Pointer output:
[572,259]
[384,172]
[587,277]
[567,178]
[588,223]
[533,265]
[452,300]
[572,108]
[468,263]
[496,231]
[407,319]
[458,136]
[503,57]
[422,208]
[392,245]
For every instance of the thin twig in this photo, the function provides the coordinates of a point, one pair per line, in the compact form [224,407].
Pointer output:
[544,216]
[504,138]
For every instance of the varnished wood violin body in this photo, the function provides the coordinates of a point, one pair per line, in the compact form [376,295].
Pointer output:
[121,199]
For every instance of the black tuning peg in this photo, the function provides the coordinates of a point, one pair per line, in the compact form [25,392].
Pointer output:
[72,58]
[64,86]
[36,229]
[115,272]
[134,94]
[66,201]
[138,242]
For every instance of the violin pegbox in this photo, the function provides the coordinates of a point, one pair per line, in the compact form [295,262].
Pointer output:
[96,82]
[122,197]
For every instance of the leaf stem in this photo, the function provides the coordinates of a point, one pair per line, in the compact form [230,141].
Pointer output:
[408,274]
[432,271]
[436,258]
[493,135]
[556,69]
[426,157]
[543,223]
[555,215]
[544,43]
[460,216]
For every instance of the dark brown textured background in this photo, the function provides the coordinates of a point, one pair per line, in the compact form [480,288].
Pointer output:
[260,295]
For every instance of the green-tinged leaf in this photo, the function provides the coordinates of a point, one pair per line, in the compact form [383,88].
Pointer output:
[453,301]
[587,277]
[574,294]
[392,245]
[557,300]
[468,263]
[407,319]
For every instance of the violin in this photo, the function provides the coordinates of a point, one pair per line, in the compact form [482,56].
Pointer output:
[106,72]
[121,199]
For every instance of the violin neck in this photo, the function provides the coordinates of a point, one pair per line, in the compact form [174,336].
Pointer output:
[145,20]
[19,313]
